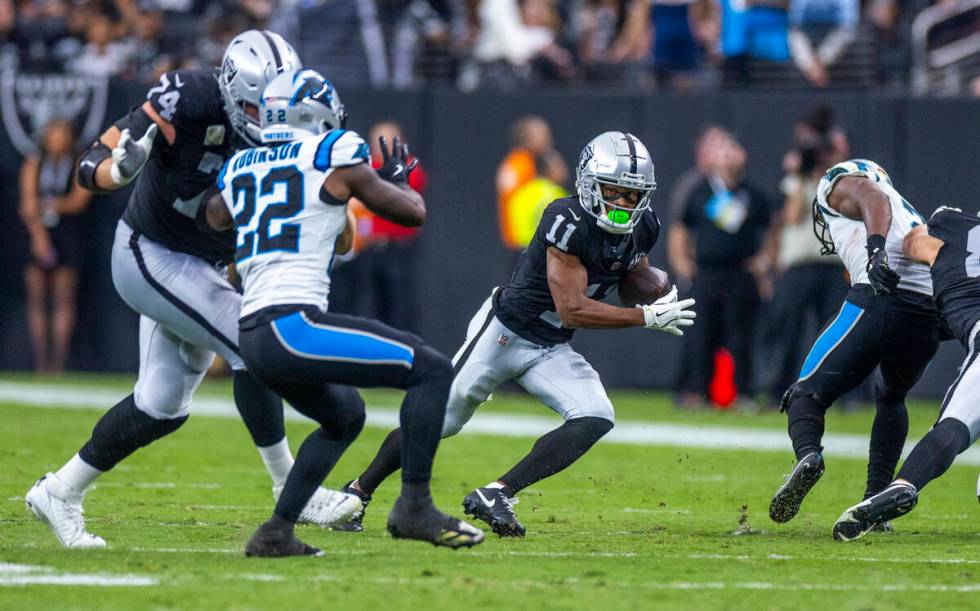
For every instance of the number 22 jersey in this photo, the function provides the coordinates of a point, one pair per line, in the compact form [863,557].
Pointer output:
[286,223]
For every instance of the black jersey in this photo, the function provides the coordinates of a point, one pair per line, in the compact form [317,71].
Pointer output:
[956,270]
[525,305]
[171,188]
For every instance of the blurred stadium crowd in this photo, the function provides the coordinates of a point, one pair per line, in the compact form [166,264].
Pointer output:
[501,44]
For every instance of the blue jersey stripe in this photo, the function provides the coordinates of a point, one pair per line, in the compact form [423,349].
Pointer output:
[221,175]
[329,343]
[321,160]
[833,335]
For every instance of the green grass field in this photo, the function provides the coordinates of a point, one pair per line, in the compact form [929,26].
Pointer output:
[627,527]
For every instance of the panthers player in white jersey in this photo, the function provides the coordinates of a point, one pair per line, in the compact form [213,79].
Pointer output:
[168,270]
[288,201]
[888,320]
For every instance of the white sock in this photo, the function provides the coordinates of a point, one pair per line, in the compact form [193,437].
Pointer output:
[77,474]
[494,484]
[278,461]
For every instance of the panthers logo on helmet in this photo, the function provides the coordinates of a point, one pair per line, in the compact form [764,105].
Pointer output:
[315,89]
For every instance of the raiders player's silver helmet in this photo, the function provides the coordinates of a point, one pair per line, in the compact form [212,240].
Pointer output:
[251,61]
[615,161]
[297,104]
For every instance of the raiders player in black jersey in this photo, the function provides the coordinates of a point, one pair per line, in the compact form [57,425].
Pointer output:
[584,246]
[948,245]
[165,264]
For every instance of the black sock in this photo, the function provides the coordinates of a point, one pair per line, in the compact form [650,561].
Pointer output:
[316,457]
[422,414]
[935,452]
[888,433]
[806,424]
[556,451]
[260,408]
[121,431]
[386,461]
[416,495]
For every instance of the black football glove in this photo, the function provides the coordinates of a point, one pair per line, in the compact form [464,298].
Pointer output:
[395,166]
[882,277]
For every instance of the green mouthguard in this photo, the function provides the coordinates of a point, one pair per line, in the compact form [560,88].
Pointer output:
[620,217]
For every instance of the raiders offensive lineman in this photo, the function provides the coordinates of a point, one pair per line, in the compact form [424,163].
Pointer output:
[888,320]
[289,204]
[949,247]
[584,246]
[165,266]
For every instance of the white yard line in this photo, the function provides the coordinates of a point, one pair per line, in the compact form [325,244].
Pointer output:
[507,425]
[30,574]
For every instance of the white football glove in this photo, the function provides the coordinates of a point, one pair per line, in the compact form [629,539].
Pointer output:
[667,314]
[129,156]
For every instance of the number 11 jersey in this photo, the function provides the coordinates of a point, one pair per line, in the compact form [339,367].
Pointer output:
[286,223]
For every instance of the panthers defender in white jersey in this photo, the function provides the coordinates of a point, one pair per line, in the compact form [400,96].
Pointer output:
[850,235]
[288,202]
[888,320]
[268,190]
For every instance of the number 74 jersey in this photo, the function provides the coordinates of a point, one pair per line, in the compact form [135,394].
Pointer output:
[286,224]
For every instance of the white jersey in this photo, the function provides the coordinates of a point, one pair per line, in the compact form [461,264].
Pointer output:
[286,230]
[850,236]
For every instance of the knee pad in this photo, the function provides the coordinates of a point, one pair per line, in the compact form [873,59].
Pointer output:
[431,366]
[346,421]
[887,395]
[345,426]
[592,426]
[165,391]
[793,392]
[197,359]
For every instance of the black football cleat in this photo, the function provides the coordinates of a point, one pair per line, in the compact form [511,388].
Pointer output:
[892,502]
[272,542]
[430,524]
[496,509]
[787,500]
[356,522]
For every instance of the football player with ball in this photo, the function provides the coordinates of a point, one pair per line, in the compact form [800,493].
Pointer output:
[584,247]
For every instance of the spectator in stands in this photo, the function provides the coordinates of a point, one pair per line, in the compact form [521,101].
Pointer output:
[809,282]
[723,233]
[611,47]
[892,43]
[680,29]
[51,203]
[532,175]
[752,29]
[37,28]
[150,56]
[820,32]
[102,55]
[516,44]
[340,38]
[421,42]
[381,281]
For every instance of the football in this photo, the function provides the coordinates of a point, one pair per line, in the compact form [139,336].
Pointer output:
[643,285]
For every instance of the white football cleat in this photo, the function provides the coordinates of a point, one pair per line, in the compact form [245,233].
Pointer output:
[60,508]
[326,508]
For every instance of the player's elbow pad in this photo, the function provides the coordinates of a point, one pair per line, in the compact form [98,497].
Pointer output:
[89,164]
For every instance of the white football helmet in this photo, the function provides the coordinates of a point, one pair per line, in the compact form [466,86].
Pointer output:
[251,61]
[615,159]
[299,104]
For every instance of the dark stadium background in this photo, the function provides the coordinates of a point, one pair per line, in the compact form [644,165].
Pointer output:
[930,146]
